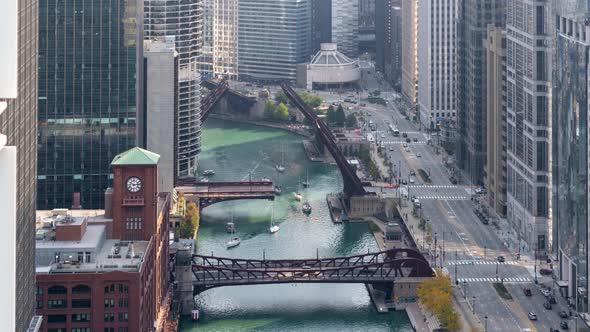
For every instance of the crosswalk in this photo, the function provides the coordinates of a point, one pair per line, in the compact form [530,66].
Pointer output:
[443,198]
[434,186]
[494,279]
[476,262]
[402,142]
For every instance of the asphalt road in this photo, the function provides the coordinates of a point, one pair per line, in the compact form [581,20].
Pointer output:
[463,243]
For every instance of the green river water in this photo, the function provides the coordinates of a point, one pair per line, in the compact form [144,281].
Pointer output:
[236,152]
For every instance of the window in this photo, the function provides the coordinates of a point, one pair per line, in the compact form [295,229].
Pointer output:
[109,289]
[109,317]
[81,317]
[109,329]
[81,303]
[39,304]
[81,289]
[56,330]
[124,289]
[56,318]
[39,291]
[81,329]
[123,329]
[123,303]
[123,317]
[56,304]
[53,290]
[109,303]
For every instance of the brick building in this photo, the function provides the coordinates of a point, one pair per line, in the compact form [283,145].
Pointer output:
[107,272]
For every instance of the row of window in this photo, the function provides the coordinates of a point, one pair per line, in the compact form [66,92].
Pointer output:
[110,303]
[110,317]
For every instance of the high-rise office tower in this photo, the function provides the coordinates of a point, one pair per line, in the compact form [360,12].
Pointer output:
[409,52]
[18,148]
[437,61]
[225,38]
[321,23]
[206,54]
[345,26]
[274,36]
[367,32]
[471,84]
[180,22]
[571,87]
[388,40]
[495,75]
[90,97]
[528,131]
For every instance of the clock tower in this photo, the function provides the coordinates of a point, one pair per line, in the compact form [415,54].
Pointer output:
[135,189]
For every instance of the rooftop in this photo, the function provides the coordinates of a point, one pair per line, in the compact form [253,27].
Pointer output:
[136,156]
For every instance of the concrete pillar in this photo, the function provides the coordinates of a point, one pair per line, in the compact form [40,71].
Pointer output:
[184,277]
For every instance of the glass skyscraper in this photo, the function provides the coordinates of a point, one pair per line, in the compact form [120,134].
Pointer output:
[570,147]
[274,36]
[345,26]
[90,91]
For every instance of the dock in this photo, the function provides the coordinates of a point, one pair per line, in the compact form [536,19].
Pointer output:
[337,213]
[312,151]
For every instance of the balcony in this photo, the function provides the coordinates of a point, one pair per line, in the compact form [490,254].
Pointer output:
[133,201]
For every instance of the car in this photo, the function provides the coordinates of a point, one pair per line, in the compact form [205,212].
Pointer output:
[404,135]
[563,314]
[418,155]
[382,135]
[564,325]
[547,305]
[391,148]
[412,181]
[415,139]
[408,149]
[412,172]
[527,292]
[545,292]
[485,221]
[553,330]
[551,299]
[405,145]
[532,316]
[545,271]
[453,180]
[501,259]
[408,140]
[404,181]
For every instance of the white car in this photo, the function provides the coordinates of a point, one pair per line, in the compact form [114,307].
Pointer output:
[412,181]
[418,155]
[532,316]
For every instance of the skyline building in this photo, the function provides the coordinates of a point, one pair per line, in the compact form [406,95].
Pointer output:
[18,162]
[437,61]
[367,23]
[495,171]
[528,120]
[321,23]
[206,53]
[180,22]
[225,39]
[388,40]
[274,37]
[410,53]
[90,92]
[345,26]
[571,88]
[471,83]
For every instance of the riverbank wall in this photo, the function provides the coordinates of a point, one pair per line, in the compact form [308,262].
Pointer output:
[296,129]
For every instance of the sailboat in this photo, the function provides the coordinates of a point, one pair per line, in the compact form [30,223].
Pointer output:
[281,167]
[235,241]
[297,194]
[306,207]
[273,228]
[306,182]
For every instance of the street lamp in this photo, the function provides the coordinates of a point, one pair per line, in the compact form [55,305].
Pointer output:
[486,323]
[456,278]
[473,306]
[464,289]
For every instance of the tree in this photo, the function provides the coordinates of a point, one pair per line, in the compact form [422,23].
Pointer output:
[191,221]
[436,295]
[340,117]
[331,116]
[351,121]
[282,112]
[281,97]
[269,109]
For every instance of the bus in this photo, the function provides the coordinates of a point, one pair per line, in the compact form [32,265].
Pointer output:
[394,130]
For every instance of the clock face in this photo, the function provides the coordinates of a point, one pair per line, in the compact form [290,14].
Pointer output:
[133,184]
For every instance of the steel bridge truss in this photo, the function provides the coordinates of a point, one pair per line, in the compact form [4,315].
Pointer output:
[212,99]
[373,268]
[352,184]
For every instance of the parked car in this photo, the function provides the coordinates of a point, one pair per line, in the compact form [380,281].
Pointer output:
[564,325]
[547,305]
[551,299]
[527,292]
[501,259]
[546,272]
[532,316]
[545,292]
[563,314]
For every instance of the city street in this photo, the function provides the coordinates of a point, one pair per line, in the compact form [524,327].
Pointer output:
[467,248]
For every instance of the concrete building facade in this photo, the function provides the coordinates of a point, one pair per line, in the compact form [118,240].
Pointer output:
[161,101]
[410,52]
[570,158]
[437,61]
[225,39]
[345,26]
[528,120]
[471,84]
[180,23]
[274,36]
[495,170]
